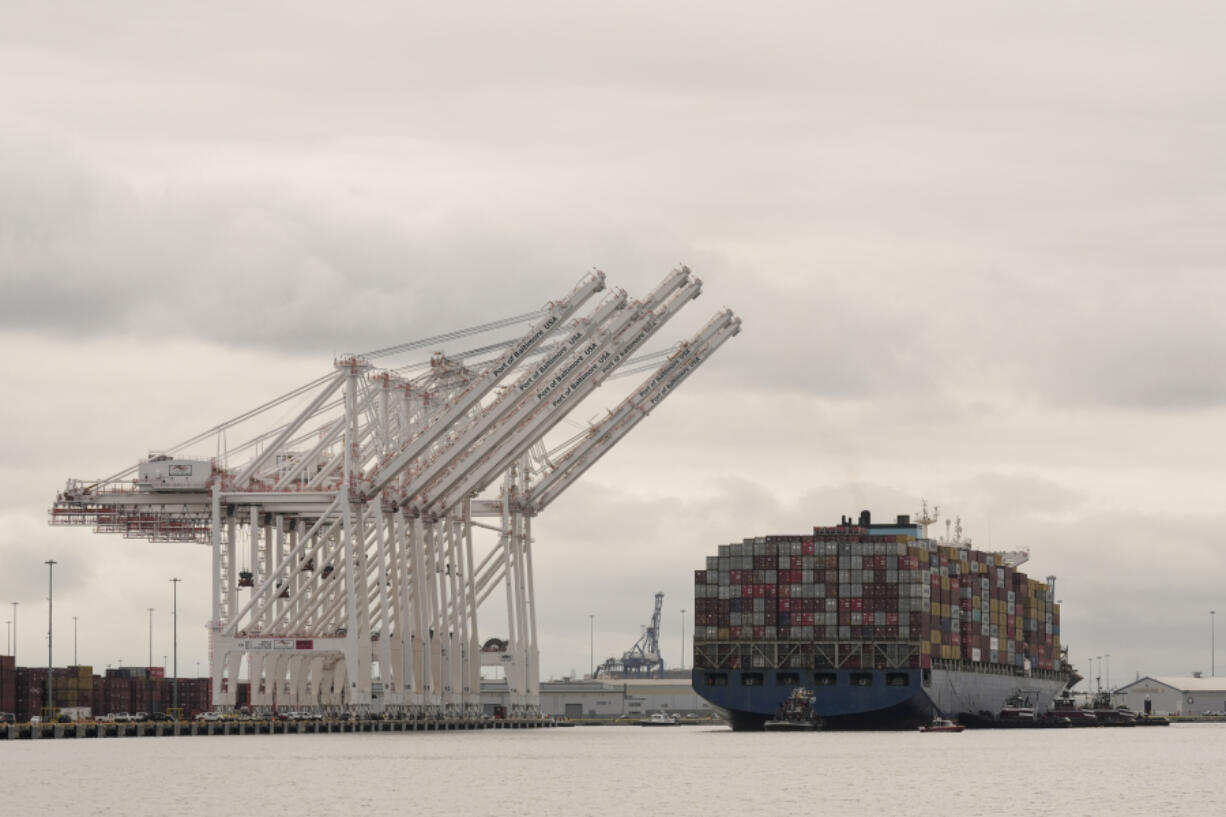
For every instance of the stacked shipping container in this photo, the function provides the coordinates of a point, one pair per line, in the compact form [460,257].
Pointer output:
[848,590]
[8,684]
[129,689]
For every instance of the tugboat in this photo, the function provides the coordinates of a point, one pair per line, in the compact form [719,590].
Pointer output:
[1063,706]
[1017,711]
[795,714]
[1108,714]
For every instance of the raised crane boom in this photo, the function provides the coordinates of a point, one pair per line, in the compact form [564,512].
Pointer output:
[344,542]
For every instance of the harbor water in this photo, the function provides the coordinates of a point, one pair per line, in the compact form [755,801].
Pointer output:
[626,770]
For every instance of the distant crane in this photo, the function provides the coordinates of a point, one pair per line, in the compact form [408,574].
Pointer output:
[643,660]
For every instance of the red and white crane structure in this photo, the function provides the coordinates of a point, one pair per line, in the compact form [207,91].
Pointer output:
[353,536]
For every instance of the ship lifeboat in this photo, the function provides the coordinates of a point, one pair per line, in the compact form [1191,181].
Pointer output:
[246,578]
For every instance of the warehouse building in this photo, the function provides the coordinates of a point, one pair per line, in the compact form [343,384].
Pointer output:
[607,699]
[1174,695]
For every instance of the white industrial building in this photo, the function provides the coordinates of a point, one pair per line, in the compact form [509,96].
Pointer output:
[608,698]
[1174,695]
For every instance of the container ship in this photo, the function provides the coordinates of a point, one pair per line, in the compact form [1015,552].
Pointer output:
[887,627]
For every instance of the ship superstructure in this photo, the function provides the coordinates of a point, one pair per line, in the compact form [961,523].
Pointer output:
[886,625]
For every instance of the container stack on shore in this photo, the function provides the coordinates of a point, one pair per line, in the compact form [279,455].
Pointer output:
[23,690]
[857,589]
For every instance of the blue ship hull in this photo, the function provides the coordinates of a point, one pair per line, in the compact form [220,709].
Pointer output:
[870,698]
[844,699]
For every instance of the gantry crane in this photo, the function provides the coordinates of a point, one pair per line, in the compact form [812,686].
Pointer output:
[349,537]
[643,659]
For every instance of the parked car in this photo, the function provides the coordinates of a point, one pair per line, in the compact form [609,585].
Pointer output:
[121,717]
[160,717]
[8,717]
[105,719]
[209,717]
[36,719]
[140,717]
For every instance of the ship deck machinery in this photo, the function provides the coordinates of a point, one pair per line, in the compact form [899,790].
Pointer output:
[882,677]
[364,535]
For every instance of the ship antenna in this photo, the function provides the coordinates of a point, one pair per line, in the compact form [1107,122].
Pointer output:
[924,519]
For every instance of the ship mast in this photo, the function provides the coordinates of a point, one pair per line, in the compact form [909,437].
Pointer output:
[924,518]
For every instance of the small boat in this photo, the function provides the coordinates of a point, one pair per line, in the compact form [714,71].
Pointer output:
[1017,711]
[942,725]
[1065,707]
[660,719]
[795,714]
[1108,714]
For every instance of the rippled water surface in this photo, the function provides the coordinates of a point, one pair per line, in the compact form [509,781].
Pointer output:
[626,771]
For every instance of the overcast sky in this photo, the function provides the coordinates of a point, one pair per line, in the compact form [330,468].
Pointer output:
[977,249]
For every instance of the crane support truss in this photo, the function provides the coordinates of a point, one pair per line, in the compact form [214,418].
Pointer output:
[345,546]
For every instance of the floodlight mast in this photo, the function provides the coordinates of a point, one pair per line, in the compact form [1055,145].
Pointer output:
[345,548]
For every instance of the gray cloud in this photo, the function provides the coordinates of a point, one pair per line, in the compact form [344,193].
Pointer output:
[977,250]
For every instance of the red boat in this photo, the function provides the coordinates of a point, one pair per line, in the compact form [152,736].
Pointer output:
[1017,711]
[942,725]
[1065,707]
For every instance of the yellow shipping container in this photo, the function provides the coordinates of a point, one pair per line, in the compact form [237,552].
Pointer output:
[934,608]
[936,637]
[925,648]
[944,582]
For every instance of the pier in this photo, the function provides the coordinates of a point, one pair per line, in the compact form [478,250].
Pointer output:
[52,731]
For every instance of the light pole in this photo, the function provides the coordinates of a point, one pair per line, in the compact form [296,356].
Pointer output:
[50,707]
[8,638]
[1099,676]
[174,583]
[683,638]
[591,645]
[14,634]
[150,664]
[1110,689]
[1212,645]
[74,642]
